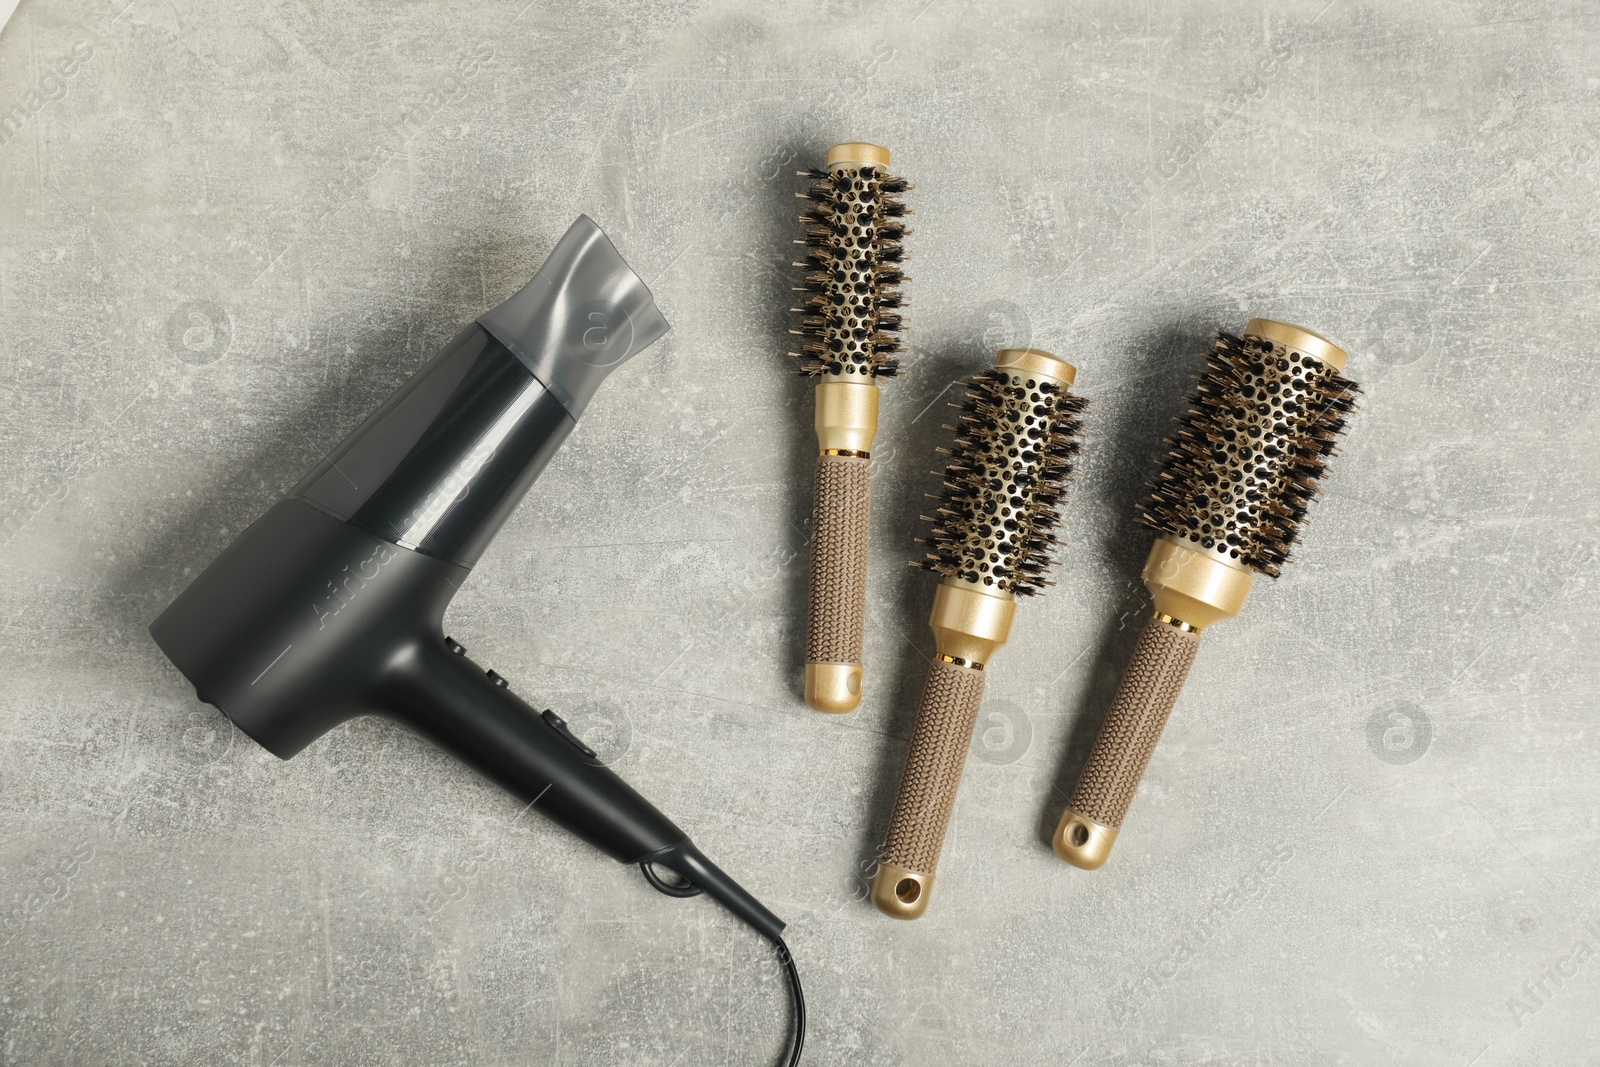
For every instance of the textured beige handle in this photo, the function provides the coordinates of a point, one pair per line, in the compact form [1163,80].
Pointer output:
[1161,661]
[938,752]
[838,601]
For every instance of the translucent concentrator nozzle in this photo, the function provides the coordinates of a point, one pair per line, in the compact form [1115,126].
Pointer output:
[579,318]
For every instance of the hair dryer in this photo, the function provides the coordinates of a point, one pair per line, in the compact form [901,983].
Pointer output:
[331,604]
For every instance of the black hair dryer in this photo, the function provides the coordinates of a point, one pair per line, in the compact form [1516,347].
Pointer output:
[331,605]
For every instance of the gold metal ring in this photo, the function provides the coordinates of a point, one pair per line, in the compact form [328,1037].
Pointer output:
[1177,624]
[958,661]
[1299,338]
[857,153]
[1026,361]
[848,452]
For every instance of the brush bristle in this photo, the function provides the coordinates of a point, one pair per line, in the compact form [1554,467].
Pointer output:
[1016,440]
[854,233]
[1243,466]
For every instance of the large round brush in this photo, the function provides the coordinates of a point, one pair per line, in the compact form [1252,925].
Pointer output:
[848,328]
[992,541]
[1227,504]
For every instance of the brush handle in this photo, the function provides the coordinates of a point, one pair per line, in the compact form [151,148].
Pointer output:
[837,609]
[1127,738]
[934,762]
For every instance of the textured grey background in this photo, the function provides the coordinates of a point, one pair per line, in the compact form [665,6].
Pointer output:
[1370,835]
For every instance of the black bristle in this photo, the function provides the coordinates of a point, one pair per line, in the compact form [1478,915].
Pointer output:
[1004,483]
[1243,465]
[851,273]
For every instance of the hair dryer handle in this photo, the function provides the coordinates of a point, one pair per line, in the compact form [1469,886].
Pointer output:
[437,691]
[446,697]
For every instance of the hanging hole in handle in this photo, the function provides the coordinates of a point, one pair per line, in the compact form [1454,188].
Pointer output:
[679,887]
[1079,834]
[908,890]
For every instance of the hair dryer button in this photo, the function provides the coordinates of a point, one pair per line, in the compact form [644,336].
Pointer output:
[559,724]
[496,679]
[454,646]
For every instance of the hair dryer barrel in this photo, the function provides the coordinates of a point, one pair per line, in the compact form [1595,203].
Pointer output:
[442,464]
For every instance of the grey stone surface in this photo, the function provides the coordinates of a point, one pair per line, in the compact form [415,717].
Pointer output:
[1370,836]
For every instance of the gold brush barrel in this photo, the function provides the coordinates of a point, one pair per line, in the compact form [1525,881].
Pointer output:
[991,541]
[1228,503]
[848,329]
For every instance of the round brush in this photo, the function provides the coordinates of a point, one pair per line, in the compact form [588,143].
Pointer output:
[1227,505]
[853,230]
[992,541]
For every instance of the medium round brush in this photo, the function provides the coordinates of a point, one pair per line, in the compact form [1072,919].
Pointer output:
[848,328]
[992,541]
[1227,504]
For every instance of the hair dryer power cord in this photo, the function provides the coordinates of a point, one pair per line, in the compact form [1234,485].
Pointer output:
[689,889]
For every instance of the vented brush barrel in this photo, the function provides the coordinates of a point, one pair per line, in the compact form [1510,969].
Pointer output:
[990,542]
[849,321]
[1227,503]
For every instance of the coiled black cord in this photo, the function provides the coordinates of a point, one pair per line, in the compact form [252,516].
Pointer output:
[689,889]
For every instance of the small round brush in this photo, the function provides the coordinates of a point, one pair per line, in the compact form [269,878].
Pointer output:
[848,327]
[992,540]
[1227,504]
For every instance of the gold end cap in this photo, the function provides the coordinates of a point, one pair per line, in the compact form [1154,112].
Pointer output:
[899,893]
[858,153]
[833,687]
[1300,339]
[1083,842]
[1036,361]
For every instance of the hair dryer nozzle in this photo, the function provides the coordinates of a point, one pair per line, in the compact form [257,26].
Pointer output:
[580,317]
